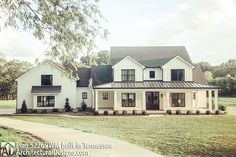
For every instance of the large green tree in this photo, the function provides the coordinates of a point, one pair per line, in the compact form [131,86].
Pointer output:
[67,26]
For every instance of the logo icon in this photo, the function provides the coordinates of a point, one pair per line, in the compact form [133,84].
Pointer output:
[7,148]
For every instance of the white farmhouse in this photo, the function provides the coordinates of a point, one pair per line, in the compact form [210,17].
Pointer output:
[155,79]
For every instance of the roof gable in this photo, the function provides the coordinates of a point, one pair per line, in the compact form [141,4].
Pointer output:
[178,57]
[128,58]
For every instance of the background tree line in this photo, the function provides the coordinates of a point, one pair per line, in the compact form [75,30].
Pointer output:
[223,75]
[9,72]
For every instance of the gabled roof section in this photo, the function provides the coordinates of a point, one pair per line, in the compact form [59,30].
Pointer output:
[84,75]
[101,74]
[178,57]
[130,58]
[148,55]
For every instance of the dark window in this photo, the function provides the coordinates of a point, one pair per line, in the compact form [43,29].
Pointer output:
[105,96]
[128,74]
[46,80]
[45,101]
[177,75]
[152,74]
[128,99]
[84,95]
[178,99]
[194,95]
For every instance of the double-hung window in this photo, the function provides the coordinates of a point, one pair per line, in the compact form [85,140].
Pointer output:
[128,74]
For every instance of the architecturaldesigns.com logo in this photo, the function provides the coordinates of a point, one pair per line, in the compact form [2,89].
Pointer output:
[7,148]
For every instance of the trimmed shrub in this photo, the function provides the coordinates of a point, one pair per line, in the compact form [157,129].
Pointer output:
[44,111]
[96,113]
[208,112]
[24,107]
[55,110]
[144,112]
[124,112]
[222,107]
[178,112]
[189,112]
[198,112]
[83,106]
[134,112]
[217,112]
[34,111]
[169,112]
[67,106]
[115,113]
[105,113]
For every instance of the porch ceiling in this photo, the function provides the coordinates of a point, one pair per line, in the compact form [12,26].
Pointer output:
[156,84]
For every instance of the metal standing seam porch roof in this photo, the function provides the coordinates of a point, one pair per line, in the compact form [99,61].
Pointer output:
[155,85]
[46,89]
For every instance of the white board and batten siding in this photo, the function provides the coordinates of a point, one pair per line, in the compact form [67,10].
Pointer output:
[158,74]
[128,63]
[33,78]
[88,101]
[177,63]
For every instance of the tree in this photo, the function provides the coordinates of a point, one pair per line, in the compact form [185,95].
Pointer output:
[205,66]
[24,107]
[208,75]
[67,106]
[67,26]
[103,58]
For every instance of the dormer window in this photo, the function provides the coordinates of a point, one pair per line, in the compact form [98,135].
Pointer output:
[151,74]
[128,74]
[177,75]
[46,80]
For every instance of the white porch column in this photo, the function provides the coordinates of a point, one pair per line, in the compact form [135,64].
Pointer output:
[167,100]
[115,100]
[196,100]
[210,99]
[144,100]
[216,99]
[96,100]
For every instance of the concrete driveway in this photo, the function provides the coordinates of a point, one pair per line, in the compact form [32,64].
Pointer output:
[72,137]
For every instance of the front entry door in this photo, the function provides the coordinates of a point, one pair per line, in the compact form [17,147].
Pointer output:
[152,101]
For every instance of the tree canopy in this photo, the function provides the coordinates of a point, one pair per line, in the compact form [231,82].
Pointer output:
[101,58]
[67,26]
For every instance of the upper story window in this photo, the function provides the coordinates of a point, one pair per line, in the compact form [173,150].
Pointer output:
[46,80]
[128,75]
[151,74]
[177,75]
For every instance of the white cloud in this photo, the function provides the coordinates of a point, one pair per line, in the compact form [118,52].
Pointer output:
[146,23]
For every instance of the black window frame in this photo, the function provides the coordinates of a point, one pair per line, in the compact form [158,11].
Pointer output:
[128,102]
[152,74]
[178,76]
[84,95]
[105,96]
[175,97]
[46,81]
[44,101]
[128,75]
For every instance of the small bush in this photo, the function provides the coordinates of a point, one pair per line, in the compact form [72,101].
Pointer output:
[189,112]
[169,112]
[115,113]
[96,113]
[144,112]
[44,111]
[34,111]
[178,112]
[198,112]
[75,110]
[24,107]
[134,112]
[105,113]
[217,112]
[84,106]
[124,112]
[67,106]
[55,110]
[222,107]
[208,112]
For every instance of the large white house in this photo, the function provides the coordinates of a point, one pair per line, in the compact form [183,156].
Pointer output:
[157,78]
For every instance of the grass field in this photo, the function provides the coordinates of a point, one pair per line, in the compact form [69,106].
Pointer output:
[7,104]
[167,135]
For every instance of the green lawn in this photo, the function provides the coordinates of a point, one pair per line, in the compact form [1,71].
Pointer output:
[7,104]
[167,135]
[227,101]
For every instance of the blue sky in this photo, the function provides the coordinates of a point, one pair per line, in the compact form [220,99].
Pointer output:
[206,27]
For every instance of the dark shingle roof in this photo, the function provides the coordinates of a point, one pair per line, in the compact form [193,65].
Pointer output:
[101,74]
[149,54]
[46,89]
[84,75]
[155,85]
